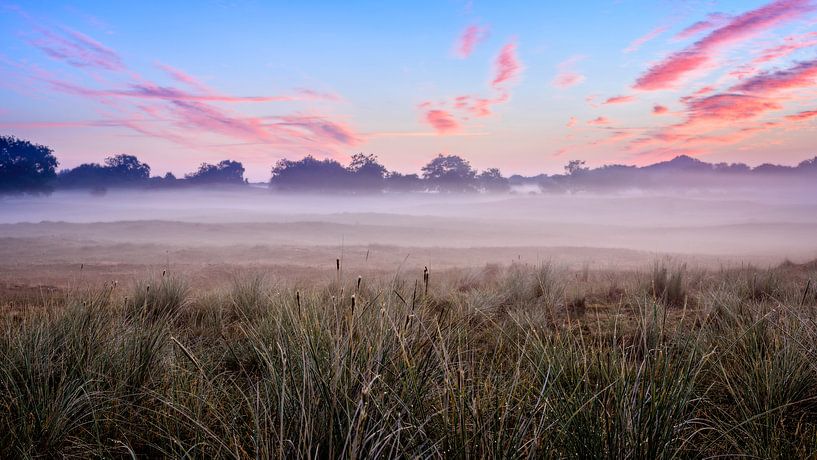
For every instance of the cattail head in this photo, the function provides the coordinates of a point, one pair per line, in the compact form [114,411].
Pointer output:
[164,272]
[353,303]
[337,264]
[359,280]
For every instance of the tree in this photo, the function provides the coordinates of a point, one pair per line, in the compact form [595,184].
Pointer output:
[25,167]
[367,172]
[127,168]
[396,182]
[491,180]
[449,173]
[574,167]
[118,171]
[808,165]
[225,172]
[310,174]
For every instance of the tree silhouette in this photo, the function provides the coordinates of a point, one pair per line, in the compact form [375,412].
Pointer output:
[127,168]
[25,167]
[225,172]
[449,173]
[367,174]
[574,167]
[118,171]
[309,174]
[491,180]
[397,182]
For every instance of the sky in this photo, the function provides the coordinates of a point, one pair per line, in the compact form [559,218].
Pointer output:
[522,86]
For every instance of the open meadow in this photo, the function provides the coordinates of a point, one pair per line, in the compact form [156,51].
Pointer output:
[502,327]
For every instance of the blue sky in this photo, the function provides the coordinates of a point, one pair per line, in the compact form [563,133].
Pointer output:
[180,83]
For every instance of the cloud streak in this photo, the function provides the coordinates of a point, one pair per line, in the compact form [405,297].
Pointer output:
[470,38]
[713,20]
[636,44]
[800,75]
[507,69]
[507,65]
[619,100]
[442,121]
[186,112]
[77,49]
[566,75]
[669,71]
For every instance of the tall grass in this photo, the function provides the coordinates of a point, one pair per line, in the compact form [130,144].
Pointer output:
[499,363]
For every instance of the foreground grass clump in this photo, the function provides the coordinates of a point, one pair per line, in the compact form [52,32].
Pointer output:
[504,362]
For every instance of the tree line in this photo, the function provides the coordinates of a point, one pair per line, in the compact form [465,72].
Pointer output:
[26,167]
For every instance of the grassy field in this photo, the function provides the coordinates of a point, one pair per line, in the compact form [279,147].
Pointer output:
[501,362]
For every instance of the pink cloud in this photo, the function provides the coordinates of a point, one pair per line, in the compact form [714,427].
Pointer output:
[567,79]
[571,123]
[712,21]
[507,65]
[671,69]
[507,68]
[802,74]
[802,115]
[659,110]
[470,38]
[477,106]
[153,91]
[707,119]
[77,49]
[322,129]
[640,41]
[182,77]
[792,44]
[730,107]
[619,99]
[442,121]
[566,76]
[187,116]
[599,121]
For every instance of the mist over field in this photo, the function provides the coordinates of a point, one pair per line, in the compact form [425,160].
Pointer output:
[255,227]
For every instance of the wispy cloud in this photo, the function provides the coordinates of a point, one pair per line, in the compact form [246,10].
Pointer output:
[479,107]
[805,115]
[77,49]
[442,121]
[566,76]
[636,44]
[790,45]
[730,107]
[659,110]
[186,111]
[153,91]
[619,100]
[469,39]
[674,67]
[599,121]
[507,65]
[712,21]
[802,74]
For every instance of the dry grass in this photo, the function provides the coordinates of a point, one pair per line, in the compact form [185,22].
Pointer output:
[504,362]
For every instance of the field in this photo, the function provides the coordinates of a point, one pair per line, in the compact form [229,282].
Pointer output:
[498,362]
[523,327]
